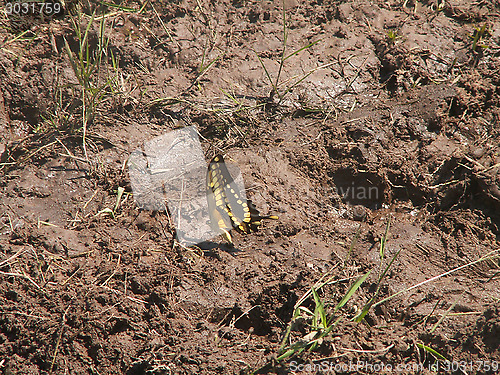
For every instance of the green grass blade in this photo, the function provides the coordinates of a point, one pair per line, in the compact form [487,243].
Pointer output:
[121,190]
[285,39]
[268,76]
[286,354]
[363,313]
[295,84]
[369,305]
[302,49]
[434,353]
[84,42]
[383,240]
[320,309]
[352,290]
[200,68]
[389,265]
[233,99]
[353,243]
[203,69]
[72,61]
[443,317]
[304,309]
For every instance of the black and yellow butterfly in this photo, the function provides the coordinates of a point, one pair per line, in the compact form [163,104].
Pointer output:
[227,207]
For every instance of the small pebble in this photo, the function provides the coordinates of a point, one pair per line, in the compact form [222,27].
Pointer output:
[478,153]
[359,212]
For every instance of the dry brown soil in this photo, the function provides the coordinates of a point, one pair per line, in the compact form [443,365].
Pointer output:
[397,98]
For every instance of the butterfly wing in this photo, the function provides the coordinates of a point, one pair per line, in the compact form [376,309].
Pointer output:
[229,209]
[220,220]
[236,204]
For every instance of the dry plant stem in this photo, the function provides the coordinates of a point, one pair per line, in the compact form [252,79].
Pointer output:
[447,312]
[165,28]
[368,351]
[85,122]
[22,275]
[58,343]
[491,255]
[114,271]
[20,252]
[38,150]
[133,299]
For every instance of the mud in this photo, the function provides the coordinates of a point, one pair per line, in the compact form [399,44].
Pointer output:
[392,115]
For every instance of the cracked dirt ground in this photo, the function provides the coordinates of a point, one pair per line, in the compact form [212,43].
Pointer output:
[391,113]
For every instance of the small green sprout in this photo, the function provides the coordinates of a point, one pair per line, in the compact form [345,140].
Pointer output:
[479,35]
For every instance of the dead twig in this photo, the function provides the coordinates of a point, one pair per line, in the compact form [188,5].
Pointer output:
[58,343]
[22,251]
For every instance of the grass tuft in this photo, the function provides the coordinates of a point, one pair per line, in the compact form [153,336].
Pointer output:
[276,83]
[86,63]
[478,36]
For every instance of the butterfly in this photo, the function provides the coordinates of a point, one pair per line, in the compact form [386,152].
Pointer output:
[228,208]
